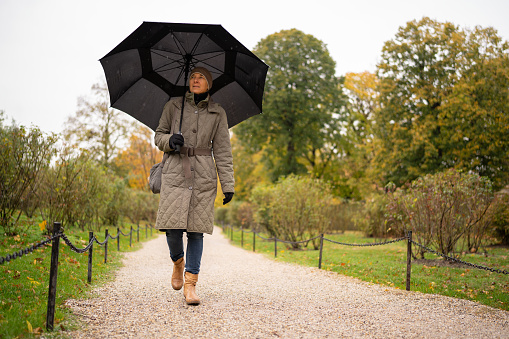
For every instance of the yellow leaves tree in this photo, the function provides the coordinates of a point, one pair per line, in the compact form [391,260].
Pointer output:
[135,161]
[362,96]
[249,171]
[351,176]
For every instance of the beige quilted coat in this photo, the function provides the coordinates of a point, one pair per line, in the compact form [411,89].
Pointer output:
[188,203]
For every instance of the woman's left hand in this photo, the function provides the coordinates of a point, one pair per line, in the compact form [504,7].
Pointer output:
[227,197]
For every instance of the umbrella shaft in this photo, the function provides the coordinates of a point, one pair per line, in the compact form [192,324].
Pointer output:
[186,72]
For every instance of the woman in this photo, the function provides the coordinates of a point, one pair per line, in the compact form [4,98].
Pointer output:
[189,180]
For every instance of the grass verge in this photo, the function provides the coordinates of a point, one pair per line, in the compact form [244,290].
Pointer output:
[386,265]
[24,282]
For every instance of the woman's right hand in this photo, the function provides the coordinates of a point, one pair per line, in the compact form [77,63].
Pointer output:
[176,139]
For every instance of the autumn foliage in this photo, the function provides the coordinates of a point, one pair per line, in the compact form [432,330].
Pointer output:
[136,160]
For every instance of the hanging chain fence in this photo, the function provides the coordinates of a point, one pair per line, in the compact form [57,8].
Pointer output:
[368,244]
[407,238]
[18,254]
[54,240]
[495,270]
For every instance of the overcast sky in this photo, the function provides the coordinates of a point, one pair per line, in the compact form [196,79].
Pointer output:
[50,48]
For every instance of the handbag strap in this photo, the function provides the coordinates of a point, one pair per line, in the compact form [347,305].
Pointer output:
[165,157]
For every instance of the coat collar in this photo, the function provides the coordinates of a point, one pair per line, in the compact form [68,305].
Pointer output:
[213,107]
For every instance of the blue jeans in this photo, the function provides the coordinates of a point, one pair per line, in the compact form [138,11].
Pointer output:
[194,248]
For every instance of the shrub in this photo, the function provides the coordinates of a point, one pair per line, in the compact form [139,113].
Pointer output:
[115,201]
[295,208]
[140,205]
[233,215]
[261,197]
[74,191]
[245,215]
[221,215]
[345,213]
[443,208]
[500,218]
[238,213]
[24,154]
[372,219]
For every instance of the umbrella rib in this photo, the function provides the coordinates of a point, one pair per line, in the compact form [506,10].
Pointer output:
[182,51]
[172,65]
[173,61]
[205,60]
[159,52]
[193,50]
[178,44]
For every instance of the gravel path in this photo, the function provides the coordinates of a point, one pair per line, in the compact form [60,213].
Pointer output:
[245,295]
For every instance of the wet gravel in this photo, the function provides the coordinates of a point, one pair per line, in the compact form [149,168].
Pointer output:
[246,295]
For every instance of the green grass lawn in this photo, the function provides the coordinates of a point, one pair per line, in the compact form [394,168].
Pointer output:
[24,282]
[386,265]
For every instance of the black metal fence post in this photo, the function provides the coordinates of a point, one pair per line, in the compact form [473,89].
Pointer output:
[150,230]
[254,241]
[106,246]
[131,237]
[409,260]
[275,247]
[146,232]
[321,250]
[118,239]
[241,236]
[53,273]
[231,232]
[138,234]
[90,252]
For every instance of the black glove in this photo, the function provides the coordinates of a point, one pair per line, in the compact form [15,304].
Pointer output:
[176,139]
[227,197]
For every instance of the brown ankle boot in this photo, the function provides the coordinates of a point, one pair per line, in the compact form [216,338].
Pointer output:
[178,272]
[189,289]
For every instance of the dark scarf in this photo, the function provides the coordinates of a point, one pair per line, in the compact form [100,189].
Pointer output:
[200,97]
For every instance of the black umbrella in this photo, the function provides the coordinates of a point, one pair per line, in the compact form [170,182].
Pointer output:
[152,65]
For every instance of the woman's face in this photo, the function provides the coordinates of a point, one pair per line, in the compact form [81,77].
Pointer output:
[198,83]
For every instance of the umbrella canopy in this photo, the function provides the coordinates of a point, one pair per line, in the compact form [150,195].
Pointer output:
[152,64]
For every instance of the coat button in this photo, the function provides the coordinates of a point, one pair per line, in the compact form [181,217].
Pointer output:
[194,130]
[190,187]
[196,112]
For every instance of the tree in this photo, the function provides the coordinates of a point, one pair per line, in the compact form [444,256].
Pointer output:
[299,129]
[475,118]
[441,88]
[97,127]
